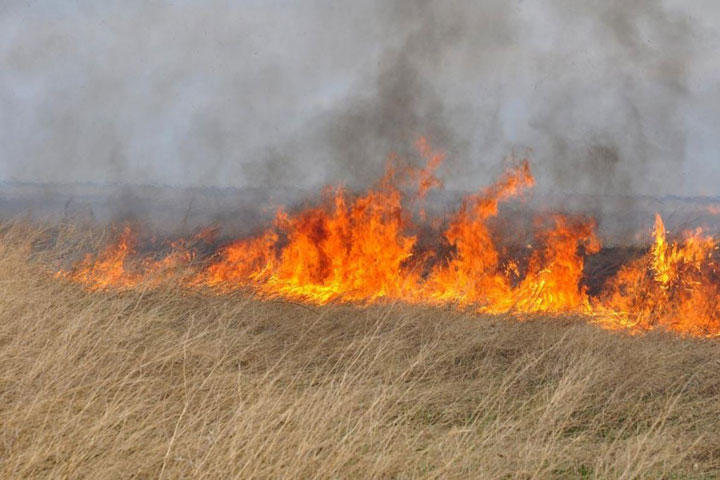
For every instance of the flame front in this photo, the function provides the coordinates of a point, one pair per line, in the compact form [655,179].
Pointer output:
[365,249]
[108,268]
[674,286]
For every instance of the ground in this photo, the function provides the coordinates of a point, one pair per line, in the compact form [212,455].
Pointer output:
[169,384]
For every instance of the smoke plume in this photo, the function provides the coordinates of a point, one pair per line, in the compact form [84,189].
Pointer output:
[605,96]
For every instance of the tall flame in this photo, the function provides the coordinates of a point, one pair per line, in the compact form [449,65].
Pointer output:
[674,286]
[473,275]
[365,248]
[555,272]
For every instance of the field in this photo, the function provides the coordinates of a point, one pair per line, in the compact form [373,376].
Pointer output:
[167,383]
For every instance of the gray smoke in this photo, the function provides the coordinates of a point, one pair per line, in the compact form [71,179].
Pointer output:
[605,96]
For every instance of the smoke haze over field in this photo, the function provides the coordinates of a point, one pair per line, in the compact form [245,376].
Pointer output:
[605,96]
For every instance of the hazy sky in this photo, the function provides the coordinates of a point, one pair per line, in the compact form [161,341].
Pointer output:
[605,96]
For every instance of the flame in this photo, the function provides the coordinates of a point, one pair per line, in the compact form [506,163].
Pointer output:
[674,286]
[366,248]
[426,178]
[116,267]
[473,275]
[354,249]
[107,268]
[555,271]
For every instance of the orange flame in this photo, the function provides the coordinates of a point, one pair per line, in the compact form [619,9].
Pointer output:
[365,248]
[674,286]
[115,267]
[108,268]
[472,275]
[555,272]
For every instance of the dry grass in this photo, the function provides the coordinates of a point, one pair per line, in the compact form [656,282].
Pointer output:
[165,384]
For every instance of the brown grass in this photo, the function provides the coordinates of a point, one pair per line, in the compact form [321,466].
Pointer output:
[166,384]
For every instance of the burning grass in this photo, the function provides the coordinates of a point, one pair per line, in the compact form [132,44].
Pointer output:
[361,337]
[165,381]
[369,248]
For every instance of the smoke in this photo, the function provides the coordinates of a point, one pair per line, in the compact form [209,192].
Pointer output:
[604,96]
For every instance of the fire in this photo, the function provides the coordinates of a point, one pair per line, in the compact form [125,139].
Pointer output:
[366,248]
[242,262]
[473,275]
[555,272]
[108,268]
[352,250]
[674,286]
[116,267]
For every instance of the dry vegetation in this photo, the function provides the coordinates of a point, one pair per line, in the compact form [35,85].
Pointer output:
[166,384]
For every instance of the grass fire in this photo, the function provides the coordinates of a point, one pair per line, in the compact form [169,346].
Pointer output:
[365,248]
[233,366]
[378,239]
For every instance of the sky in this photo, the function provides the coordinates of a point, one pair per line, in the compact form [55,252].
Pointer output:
[611,97]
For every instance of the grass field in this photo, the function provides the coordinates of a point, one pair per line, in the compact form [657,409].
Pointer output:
[170,384]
